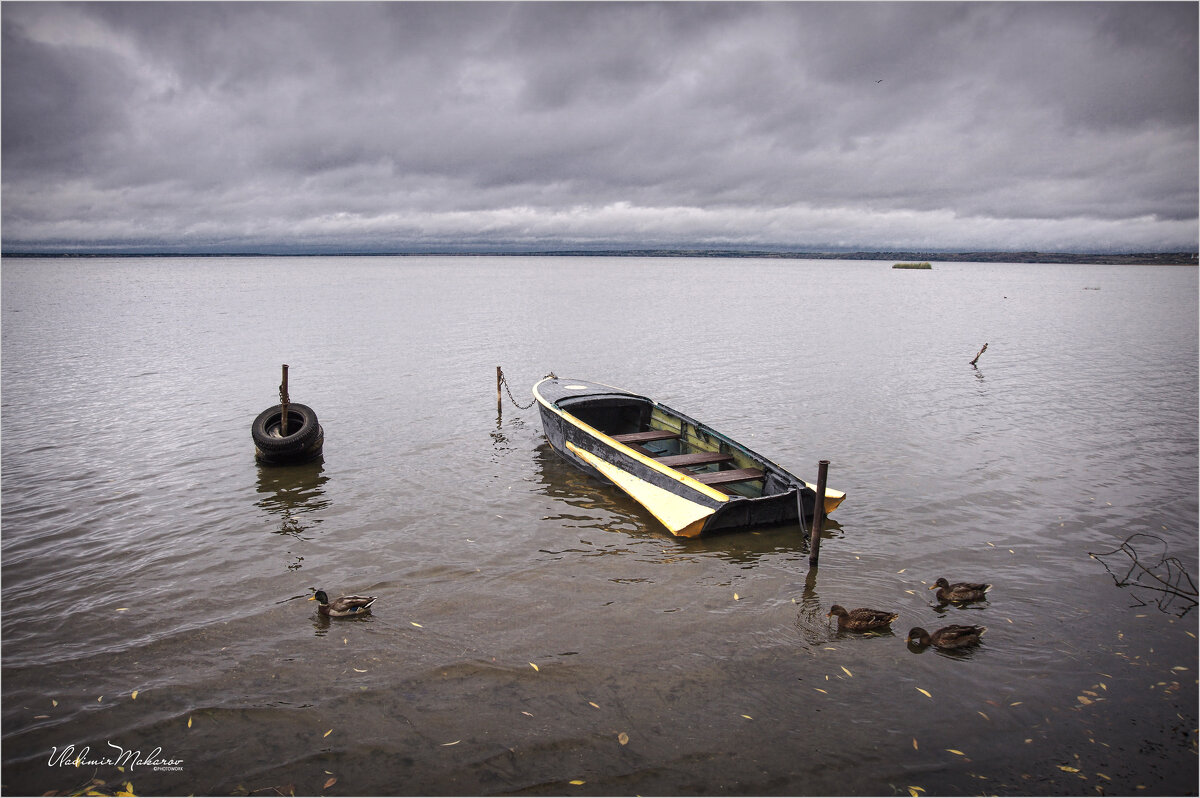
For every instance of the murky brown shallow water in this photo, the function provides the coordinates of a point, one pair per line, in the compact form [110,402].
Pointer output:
[536,629]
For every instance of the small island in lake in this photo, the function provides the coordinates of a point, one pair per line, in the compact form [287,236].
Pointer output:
[924,265]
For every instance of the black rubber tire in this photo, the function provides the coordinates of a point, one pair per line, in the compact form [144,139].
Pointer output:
[303,428]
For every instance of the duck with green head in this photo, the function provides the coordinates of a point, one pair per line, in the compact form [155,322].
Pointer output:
[343,606]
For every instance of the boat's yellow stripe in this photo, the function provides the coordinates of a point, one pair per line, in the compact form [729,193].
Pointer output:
[694,484]
[682,516]
[833,498]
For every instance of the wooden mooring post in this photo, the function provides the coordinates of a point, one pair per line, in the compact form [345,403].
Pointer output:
[814,545]
[499,382]
[283,402]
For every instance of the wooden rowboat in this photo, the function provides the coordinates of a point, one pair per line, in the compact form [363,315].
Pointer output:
[689,476]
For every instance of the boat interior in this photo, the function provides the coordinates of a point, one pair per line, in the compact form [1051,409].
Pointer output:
[677,442]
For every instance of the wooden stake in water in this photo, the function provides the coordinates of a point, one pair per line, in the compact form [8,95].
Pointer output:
[283,401]
[814,546]
[499,380]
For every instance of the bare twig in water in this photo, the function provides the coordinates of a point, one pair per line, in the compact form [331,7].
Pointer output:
[981,351]
[1167,575]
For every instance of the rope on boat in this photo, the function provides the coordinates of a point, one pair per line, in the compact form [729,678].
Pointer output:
[501,380]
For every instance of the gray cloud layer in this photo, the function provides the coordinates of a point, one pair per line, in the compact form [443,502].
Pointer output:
[894,125]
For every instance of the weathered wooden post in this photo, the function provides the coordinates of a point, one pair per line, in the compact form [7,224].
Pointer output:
[283,401]
[814,546]
[499,380]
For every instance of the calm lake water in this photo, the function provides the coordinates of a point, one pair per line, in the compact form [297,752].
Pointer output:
[536,632]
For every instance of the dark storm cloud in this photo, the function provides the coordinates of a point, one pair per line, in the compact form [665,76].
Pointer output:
[1022,125]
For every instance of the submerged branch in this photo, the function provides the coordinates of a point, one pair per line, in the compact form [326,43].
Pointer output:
[1168,575]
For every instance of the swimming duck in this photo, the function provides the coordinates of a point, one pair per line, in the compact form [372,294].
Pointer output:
[341,607]
[948,637]
[861,619]
[960,591]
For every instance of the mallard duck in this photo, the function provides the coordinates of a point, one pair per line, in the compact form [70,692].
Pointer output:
[861,619]
[960,591]
[341,607]
[948,637]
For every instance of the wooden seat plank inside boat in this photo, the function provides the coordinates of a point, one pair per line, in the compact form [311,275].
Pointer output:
[732,475]
[645,437]
[694,459]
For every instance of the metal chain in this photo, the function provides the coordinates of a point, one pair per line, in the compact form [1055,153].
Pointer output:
[504,382]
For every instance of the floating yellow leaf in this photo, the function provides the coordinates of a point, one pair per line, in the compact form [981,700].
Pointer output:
[523,712]
[53,702]
[578,782]
[133,695]
[955,751]
[1106,778]
[326,734]
[925,692]
[819,690]
[735,596]
[1068,768]
[40,717]
[902,570]
[747,717]
[456,742]
[915,748]
[98,700]
[847,670]
[189,721]
[983,715]
[329,782]
[915,791]
[593,704]
[535,667]
[1016,703]
[360,670]
[1179,668]
[122,609]
[1083,699]
[414,623]
[623,738]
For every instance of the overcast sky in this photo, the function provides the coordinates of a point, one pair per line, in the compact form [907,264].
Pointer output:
[242,126]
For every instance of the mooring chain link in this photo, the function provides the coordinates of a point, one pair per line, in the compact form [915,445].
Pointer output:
[504,382]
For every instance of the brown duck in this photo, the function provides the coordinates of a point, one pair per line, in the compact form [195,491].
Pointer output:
[861,619]
[948,637]
[960,591]
[342,607]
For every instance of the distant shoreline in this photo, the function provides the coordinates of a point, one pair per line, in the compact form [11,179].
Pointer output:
[1127,258]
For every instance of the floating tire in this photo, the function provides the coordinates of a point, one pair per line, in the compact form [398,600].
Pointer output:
[303,442]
